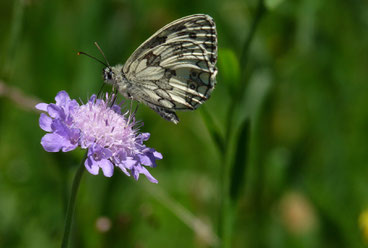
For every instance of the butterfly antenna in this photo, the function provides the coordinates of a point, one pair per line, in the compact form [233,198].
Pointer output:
[79,53]
[99,48]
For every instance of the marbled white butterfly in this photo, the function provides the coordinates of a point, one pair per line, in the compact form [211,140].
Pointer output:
[173,70]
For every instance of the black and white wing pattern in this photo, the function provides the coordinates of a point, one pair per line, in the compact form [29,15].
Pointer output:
[175,68]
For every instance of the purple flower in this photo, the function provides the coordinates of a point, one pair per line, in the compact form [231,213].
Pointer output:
[110,137]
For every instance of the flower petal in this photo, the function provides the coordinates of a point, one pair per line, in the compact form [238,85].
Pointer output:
[106,153]
[144,159]
[59,128]
[157,155]
[143,137]
[120,156]
[135,173]
[52,142]
[73,105]
[107,167]
[144,171]
[86,140]
[74,135]
[42,106]
[100,153]
[129,163]
[45,122]
[55,111]
[149,157]
[91,166]
[121,166]
[93,98]
[62,98]
[69,147]
[116,109]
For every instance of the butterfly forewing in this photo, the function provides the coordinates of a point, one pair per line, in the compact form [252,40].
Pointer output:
[175,68]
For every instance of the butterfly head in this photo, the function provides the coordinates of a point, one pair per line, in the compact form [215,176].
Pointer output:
[114,75]
[108,75]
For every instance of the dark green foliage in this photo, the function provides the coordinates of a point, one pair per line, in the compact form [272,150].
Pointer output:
[284,132]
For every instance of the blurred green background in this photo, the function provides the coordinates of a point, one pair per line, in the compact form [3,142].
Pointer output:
[276,158]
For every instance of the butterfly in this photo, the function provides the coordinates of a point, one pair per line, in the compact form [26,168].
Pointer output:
[175,69]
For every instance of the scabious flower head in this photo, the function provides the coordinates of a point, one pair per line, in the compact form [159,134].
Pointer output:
[99,126]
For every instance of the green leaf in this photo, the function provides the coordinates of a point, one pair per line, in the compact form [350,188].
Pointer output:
[213,129]
[272,4]
[240,161]
[229,68]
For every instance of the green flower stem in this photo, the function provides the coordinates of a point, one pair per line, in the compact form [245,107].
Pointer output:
[71,204]
[227,205]
[261,9]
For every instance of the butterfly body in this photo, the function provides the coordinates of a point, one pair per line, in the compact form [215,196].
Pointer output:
[173,70]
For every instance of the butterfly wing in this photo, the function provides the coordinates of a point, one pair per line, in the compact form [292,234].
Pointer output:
[175,68]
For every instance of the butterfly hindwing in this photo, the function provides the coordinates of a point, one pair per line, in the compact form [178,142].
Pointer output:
[175,68]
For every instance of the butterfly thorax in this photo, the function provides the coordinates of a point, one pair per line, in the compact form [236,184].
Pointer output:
[115,76]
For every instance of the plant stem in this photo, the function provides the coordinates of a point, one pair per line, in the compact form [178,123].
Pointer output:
[227,208]
[14,38]
[71,204]
[261,9]
[258,16]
